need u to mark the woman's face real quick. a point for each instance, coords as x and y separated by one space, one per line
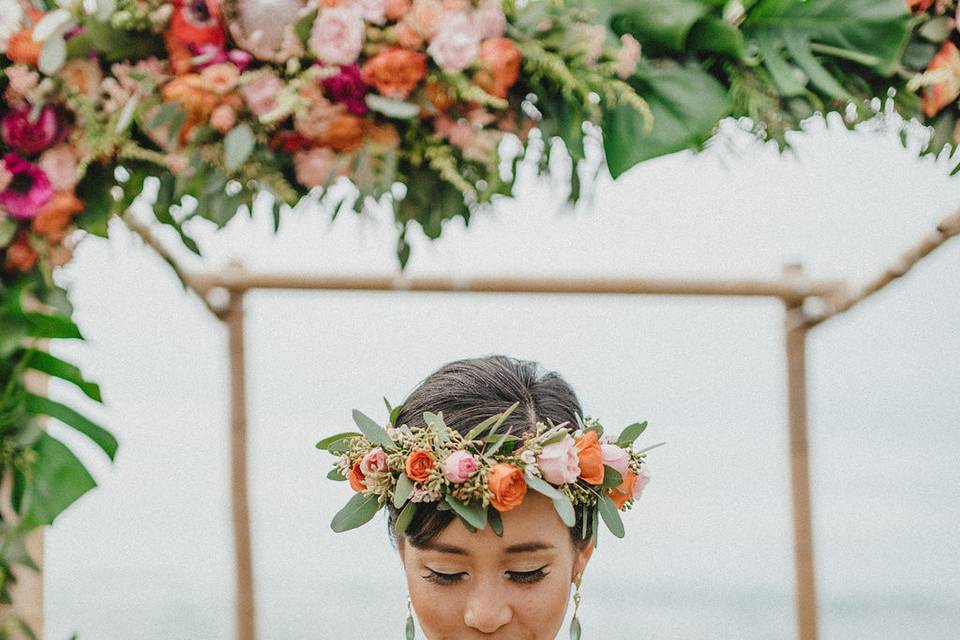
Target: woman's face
469 586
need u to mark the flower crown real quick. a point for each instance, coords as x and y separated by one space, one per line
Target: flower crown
484 473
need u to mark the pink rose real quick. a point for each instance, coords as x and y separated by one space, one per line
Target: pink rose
337 35
424 17
374 460
456 44
60 165
615 457
373 11
643 477
32 137
560 461
223 118
313 167
489 20
458 466
29 188
260 93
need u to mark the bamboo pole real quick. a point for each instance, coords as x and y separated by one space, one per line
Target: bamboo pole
245 618
948 228
806 595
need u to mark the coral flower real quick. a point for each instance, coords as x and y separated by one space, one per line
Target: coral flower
419 464
20 255
507 485
395 72
941 94
195 24
28 191
344 132
624 491
23 49
355 476
499 66
591 458
55 216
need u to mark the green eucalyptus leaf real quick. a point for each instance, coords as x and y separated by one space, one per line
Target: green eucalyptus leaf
611 477
329 440
403 490
474 515
405 517
542 486
565 510
496 523
611 517
238 144
480 428
335 474
373 431
358 511
630 434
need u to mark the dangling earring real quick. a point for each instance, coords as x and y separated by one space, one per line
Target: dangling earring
411 629
574 621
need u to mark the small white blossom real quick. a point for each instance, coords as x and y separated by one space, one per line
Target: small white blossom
528 457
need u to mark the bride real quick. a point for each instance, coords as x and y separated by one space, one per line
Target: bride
484 557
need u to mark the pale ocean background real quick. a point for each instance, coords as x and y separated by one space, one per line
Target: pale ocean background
708 551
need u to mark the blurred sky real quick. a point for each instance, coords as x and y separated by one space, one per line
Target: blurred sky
708 549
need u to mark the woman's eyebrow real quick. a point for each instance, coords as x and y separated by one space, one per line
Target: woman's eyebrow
528 546
445 548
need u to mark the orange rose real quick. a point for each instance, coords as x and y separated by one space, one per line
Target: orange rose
440 96
591 464
356 477
23 48
919 6
418 465
507 485
344 132
395 72
20 255
499 66
53 218
622 492
941 94
384 135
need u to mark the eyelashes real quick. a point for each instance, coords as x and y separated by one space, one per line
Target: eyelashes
521 577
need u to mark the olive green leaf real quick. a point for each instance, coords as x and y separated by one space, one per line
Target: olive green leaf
403 490
358 511
329 440
630 434
611 518
373 431
472 514
405 517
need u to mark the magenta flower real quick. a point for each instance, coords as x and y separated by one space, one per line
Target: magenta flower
32 137
29 188
348 88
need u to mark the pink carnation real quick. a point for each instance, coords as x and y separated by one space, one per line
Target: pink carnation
337 35
60 165
29 188
560 461
260 93
615 457
489 20
313 167
374 460
458 466
456 44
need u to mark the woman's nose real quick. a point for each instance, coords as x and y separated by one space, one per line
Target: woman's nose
487 607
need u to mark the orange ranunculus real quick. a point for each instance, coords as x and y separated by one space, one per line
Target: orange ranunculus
356 477
193 26
22 48
418 466
54 217
941 94
591 463
384 135
20 255
439 95
395 72
622 492
507 485
499 66
344 132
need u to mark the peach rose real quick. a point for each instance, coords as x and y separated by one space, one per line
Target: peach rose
418 466
499 66
20 255
424 17
591 458
374 460
396 9
624 491
356 476
60 164
56 215
313 167
83 76
456 44
407 37
220 78
223 118
507 485
395 72
489 19
344 132
941 94
23 48
337 35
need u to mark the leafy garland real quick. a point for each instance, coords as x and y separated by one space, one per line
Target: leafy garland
98 98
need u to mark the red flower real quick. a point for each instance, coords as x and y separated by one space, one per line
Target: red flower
194 26
20 255
941 94
33 137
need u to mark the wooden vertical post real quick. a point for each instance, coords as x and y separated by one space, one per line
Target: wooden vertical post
796 336
245 619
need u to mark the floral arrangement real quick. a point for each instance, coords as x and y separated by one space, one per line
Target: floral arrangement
480 474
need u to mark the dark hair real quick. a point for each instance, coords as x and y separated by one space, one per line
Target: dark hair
467 392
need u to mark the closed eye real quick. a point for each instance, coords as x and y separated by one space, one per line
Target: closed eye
443 578
527 577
